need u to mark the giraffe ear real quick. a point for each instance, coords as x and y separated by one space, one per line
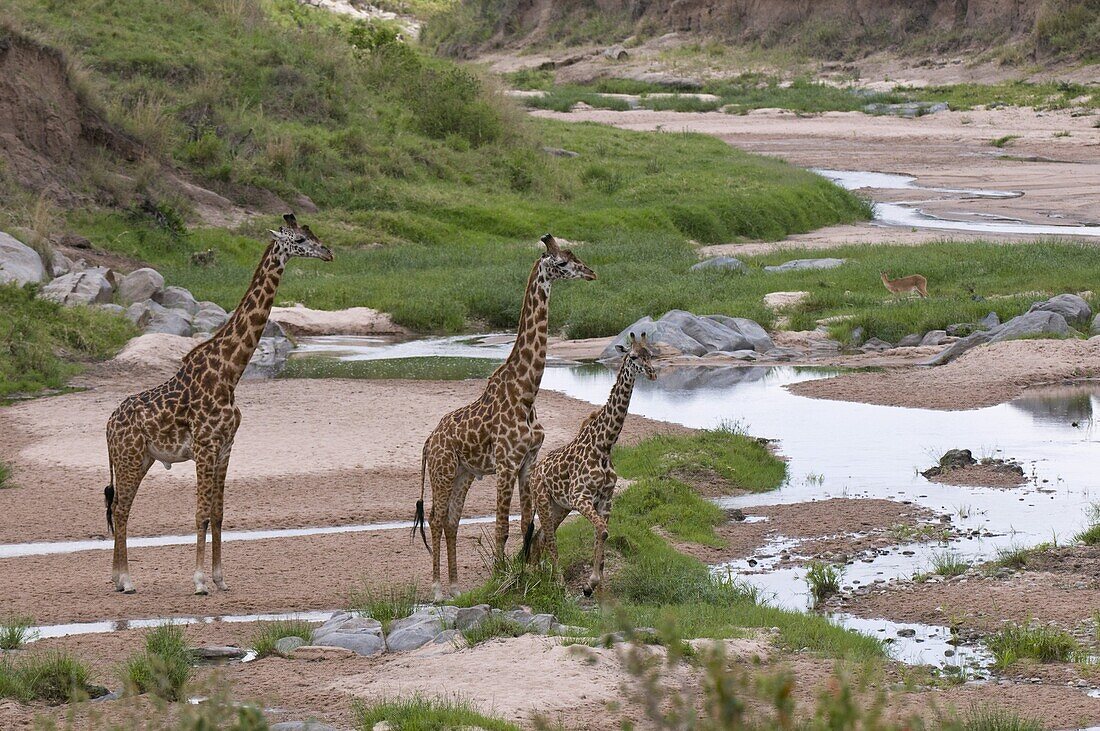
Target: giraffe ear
274 234
551 244
291 220
620 348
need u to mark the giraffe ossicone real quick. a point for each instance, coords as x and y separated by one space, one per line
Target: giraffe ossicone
499 432
580 476
192 415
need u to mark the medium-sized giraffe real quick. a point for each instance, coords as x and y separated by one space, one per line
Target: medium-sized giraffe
499 432
580 476
192 414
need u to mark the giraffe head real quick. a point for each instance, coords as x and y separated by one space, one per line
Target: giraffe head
558 263
294 240
638 358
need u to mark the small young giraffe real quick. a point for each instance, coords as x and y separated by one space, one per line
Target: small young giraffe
192 414
580 476
499 432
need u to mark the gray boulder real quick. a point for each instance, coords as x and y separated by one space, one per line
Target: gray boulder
210 317
615 53
414 636
140 285
471 617
59 264
301 726
910 341
19 263
799 265
87 287
663 336
934 337
171 322
874 345
177 298
447 636
748 329
711 334
542 623
112 308
218 652
990 321
784 354
1074 309
721 263
1095 329
361 635
287 645
1027 325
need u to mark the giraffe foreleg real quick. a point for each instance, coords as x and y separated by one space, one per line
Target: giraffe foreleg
129 470
459 488
206 466
441 473
217 510
506 485
599 523
526 499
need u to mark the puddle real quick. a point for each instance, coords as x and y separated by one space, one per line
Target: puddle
920 644
902 214
20 550
50 631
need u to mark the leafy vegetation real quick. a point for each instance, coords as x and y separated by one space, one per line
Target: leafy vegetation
53 677
5 475
823 580
431 368
948 563
1044 643
650 583
1090 536
268 633
386 602
163 668
15 631
420 713
493 627
43 343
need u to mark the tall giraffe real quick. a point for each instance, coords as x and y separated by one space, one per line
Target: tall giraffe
580 476
499 432
192 414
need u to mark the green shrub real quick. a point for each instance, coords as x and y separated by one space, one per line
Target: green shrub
53 677
1044 643
823 580
15 631
386 602
426 714
163 668
491 628
268 633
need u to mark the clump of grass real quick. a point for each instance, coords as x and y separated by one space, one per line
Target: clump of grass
949 563
994 718
420 713
53 677
1017 557
15 631
386 603
163 668
1091 535
1003 141
268 633
493 627
824 580
741 461
5 475
1044 643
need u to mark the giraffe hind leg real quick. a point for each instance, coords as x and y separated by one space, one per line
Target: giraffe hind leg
129 471
441 474
217 509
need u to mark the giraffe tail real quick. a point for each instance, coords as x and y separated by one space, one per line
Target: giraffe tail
528 540
109 498
418 519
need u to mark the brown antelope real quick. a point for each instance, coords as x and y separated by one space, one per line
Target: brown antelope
905 285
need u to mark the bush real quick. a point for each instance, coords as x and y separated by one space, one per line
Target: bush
268 633
1044 643
15 631
823 580
53 677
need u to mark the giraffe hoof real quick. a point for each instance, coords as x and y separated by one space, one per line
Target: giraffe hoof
201 591
222 586
129 590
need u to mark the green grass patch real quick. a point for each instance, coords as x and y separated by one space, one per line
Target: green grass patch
1090 536
430 368
823 580
1017 557
42 343
1044 643
420 713
267 634
5 475
744 463
385 602
53 677
1003 141
994 718
948 563
163 668
15 631
493 627
651 584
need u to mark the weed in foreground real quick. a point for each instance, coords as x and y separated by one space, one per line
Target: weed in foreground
5 476
163 668
15 631
267 634
53 677
493 627
420 713
386 603
1003 141
948 563
994 718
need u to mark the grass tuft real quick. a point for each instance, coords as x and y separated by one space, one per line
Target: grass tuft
948 563
493 627
420 713
15 631
1003 141
268 633
163 668
386 603
5 476
1044 643
823 580
995 718
53 677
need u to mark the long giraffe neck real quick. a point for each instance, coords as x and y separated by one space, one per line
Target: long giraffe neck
237 339
527 360
608 422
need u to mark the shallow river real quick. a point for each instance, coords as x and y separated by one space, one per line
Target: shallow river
842 449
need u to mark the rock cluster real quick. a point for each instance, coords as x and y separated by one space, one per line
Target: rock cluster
429 625
681 333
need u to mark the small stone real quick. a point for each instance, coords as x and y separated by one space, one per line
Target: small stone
319 652
721 263
177 298
907 632
287 645
217 652
469 617
302 726
140 285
